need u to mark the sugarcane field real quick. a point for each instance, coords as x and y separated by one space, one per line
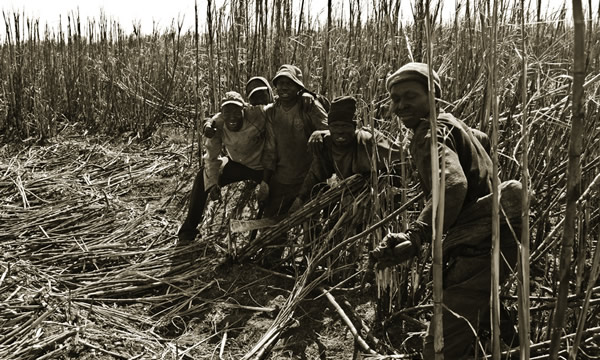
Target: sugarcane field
278 179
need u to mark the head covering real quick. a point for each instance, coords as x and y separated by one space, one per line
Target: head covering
291 72
256 84
342 110
232 97
416 72
256 90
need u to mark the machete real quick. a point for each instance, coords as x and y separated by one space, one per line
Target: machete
238 225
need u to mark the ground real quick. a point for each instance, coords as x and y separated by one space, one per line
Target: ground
91 268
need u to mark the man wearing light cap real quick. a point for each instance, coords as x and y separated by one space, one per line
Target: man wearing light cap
467 213
241 129
258 92
291 125
346 151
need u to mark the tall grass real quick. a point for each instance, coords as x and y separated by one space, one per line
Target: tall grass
99 76
93 74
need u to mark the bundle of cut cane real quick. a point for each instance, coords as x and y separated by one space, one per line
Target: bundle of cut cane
348 187
326 258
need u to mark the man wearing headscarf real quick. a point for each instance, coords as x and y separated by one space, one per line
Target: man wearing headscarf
467 212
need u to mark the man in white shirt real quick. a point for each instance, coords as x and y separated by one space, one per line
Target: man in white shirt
240 128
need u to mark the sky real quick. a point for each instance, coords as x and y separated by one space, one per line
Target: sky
125 11
161 12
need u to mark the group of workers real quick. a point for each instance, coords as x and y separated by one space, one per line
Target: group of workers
289 143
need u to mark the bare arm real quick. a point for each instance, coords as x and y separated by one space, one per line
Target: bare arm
211 158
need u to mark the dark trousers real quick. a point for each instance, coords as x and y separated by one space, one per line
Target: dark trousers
232 172
281 197
467 287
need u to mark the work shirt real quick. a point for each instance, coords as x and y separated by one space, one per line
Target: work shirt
289 155
468 168
347 161
245 146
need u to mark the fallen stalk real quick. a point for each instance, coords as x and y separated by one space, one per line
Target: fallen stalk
357 337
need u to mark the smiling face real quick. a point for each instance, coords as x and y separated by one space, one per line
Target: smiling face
410 102
342 133
233 116
287 89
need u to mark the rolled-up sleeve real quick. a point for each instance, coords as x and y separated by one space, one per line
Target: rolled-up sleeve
318 117
456 185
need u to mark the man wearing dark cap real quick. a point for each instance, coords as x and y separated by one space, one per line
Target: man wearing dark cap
467 213
241 129
258 91
346 151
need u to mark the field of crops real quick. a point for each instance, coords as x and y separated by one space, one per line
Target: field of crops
99 146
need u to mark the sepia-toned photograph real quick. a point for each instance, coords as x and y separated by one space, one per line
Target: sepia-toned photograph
299 179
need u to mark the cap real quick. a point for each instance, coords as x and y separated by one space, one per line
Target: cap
232 97
417 72
257 89
254 83
342 109
291 72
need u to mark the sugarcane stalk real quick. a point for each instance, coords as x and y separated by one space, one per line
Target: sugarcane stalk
544 247
573 178
211 69
102 350
223 342
495 270
437 217
584 309
376 205
327 78
544 344
197 99
357 337
523 266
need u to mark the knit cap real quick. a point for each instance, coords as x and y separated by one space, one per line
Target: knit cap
291 72
416 72
342 110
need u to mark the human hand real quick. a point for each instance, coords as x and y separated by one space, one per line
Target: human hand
394 249
263 191
296 205
209 129
215 193
307 101
364 137
315 141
